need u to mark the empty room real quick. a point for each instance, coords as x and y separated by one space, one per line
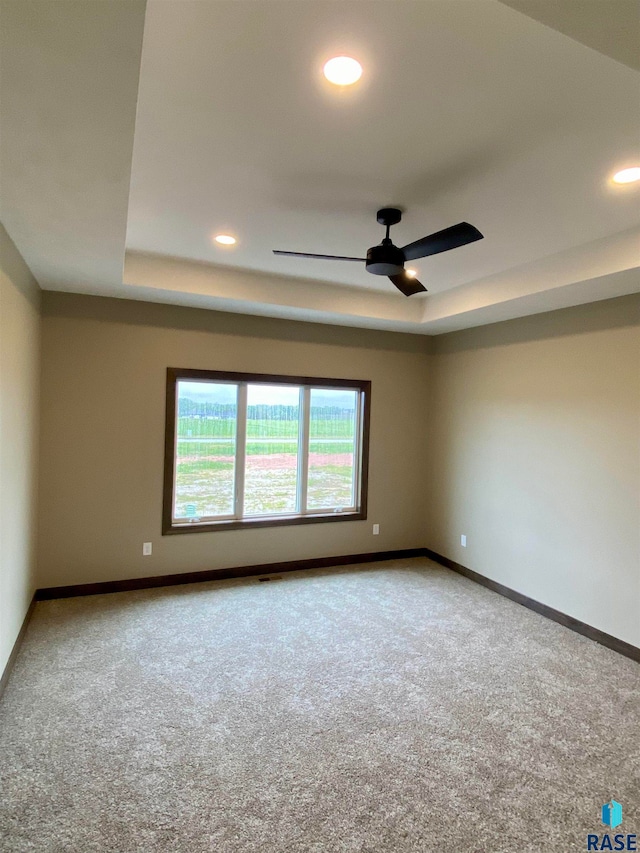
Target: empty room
319 426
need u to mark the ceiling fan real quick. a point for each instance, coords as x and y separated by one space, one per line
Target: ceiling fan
387 259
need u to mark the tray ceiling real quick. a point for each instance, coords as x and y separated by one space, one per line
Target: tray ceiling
133 136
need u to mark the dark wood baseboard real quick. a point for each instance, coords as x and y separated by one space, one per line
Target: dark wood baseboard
221 574
4 678
592 633
103 587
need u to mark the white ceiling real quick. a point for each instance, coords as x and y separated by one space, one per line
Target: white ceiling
467 110
69 85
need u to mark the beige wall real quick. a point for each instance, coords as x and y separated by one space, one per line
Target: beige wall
103 387
536 458
19 374
523 435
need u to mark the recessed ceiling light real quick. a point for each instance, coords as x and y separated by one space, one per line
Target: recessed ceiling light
343 70
627 176
411 273
225 239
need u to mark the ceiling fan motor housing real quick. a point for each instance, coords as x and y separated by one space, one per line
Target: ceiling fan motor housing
385 259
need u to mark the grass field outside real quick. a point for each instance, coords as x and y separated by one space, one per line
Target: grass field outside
211 427
205 466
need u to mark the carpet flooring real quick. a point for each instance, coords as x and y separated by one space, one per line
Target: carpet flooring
388 707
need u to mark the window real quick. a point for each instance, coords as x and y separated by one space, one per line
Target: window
250 450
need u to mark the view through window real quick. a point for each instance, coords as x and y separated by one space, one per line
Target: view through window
261 449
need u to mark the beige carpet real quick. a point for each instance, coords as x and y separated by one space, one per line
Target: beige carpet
389 707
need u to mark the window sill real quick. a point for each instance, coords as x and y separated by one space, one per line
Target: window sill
254 523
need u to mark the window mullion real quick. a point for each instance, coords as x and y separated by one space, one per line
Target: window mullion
303 444
357 451
241 449
176 409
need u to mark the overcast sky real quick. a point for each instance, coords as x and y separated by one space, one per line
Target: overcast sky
271 395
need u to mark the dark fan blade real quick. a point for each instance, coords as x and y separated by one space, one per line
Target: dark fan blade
442 241
322 257
407 285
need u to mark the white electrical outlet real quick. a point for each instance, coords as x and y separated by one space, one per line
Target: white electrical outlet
146 549
376 529
463 540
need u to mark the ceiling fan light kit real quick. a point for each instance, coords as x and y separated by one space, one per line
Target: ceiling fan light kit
387 259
